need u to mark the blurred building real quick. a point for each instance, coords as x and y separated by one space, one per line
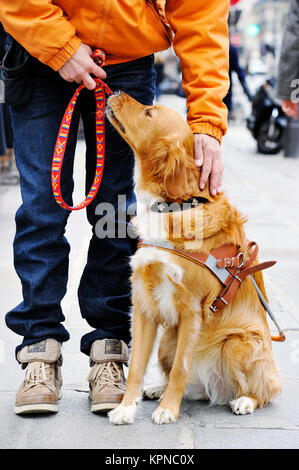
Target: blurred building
258 31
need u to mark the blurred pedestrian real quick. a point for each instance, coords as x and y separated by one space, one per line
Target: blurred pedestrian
59 37
288 69
234 66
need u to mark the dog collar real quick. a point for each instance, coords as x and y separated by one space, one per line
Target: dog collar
166 206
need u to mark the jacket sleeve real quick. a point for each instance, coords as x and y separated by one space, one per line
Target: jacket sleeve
202 45
41 28
288 69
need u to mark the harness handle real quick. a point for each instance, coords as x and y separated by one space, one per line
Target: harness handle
280 339
62 138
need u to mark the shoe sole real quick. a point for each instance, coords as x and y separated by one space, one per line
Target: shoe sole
36 408
103 407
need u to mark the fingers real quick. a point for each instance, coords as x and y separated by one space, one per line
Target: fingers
207 154
80 67
216 177
205 172
291 112
294 111
89 83
97 71
212 167
290 108
85 77
198 152
287 109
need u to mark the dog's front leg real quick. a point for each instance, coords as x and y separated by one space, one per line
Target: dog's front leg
169 409
144 333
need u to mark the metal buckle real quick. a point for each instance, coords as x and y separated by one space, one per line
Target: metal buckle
240 256
223 300
214 309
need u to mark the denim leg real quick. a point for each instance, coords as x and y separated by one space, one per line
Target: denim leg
40 247
104 291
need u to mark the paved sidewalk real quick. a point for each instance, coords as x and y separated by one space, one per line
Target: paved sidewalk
266 189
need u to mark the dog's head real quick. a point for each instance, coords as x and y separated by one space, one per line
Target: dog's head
163 146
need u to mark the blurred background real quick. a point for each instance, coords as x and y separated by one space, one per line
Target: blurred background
256 31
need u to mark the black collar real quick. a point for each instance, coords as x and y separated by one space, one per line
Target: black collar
163 207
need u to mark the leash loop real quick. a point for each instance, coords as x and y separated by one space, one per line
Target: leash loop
62 138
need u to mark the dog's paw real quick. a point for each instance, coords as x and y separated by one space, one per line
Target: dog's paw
242 406
163 416
123 414
153 392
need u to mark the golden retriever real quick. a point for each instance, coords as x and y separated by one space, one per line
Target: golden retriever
223 356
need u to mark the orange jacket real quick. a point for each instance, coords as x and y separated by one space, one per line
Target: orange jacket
128 29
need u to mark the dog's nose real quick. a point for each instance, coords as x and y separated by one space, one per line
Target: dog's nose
117 93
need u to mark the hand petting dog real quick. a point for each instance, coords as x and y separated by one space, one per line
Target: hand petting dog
207 155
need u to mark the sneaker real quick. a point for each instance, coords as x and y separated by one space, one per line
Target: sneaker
41 389
106 377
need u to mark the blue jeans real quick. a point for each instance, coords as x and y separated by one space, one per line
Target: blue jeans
41 250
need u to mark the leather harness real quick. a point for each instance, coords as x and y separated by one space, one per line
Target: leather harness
227 264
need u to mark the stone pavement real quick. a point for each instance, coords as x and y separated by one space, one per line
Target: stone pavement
266 189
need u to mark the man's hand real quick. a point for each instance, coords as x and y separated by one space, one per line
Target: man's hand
207 155
290 108
79 67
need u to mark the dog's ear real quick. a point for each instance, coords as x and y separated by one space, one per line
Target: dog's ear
176 171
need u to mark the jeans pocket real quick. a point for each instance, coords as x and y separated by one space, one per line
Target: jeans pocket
17 75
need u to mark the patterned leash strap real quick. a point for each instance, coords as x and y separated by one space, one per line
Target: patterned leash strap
59 151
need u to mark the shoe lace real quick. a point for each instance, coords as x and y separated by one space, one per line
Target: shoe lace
106 373
38 373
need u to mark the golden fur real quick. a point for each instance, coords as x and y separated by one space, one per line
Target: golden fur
227 355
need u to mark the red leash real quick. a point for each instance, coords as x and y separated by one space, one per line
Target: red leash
59 151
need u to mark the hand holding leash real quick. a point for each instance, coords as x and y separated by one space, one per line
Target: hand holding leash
99 91
80 67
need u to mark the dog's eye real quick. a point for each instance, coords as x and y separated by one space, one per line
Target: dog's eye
148 113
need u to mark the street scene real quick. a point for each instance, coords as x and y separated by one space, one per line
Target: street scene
261 178
266 190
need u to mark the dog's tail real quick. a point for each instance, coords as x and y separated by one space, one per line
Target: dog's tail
231 359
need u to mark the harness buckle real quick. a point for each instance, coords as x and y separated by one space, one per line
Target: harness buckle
213 308
240 257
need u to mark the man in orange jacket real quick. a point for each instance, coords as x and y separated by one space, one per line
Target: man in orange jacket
60 37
